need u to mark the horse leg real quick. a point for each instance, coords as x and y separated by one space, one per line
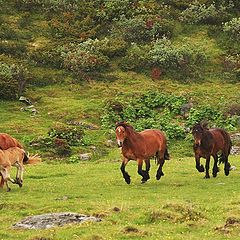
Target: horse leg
2 181
147 162
19 175
6 177
125 174
215 167
199 167
227 165
207 167
159 171
142 172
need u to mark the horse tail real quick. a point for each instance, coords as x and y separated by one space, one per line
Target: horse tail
166 155
31 159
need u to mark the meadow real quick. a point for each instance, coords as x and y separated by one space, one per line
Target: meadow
182 205
86 64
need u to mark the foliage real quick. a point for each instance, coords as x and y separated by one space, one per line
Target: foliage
203 13
83 58
186 60
60 139
136 58
15 48
13 80
150 110
232 28
214 117
142 29
231 65
161 111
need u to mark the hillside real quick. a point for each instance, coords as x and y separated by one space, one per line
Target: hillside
78 62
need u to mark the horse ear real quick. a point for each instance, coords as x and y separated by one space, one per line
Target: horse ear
204 124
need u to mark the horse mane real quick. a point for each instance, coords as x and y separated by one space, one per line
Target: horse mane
6 141
125 125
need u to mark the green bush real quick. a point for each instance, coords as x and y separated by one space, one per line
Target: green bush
13 80
233 28
150 110
10 47
214 117
60 139
203 13
231 65
185 61
136 58
142 29
84 58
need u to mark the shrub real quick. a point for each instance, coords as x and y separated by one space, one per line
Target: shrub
213 116
136 58
142 29
13 80
11 47
150 110
231 65
60 139
186 61
111 9
202 13
232 28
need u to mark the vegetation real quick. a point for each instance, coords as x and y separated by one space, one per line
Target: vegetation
84 65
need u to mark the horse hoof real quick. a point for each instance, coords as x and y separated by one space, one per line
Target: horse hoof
206 177
158 177
200 168
9 189
214 175
128 181
143 181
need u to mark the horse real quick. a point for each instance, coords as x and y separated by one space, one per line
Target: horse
210 142
141 146
14 156
7 141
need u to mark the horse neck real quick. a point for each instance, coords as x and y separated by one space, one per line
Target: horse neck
207 138
133 138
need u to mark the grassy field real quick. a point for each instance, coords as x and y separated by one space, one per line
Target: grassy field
182 205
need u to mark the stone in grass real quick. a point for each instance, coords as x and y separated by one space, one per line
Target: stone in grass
85 156
50 220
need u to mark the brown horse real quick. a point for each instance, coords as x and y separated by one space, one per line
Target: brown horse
210 142
141 146
6 141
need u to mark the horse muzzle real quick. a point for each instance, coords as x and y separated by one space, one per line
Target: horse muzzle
119 143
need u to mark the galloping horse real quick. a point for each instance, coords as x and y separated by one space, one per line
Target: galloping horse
6 141
209 142
141 146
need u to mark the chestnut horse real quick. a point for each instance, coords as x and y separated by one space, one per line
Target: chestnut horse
210 142
6 141
141 146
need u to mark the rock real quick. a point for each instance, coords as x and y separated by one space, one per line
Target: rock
235 150
50 220
111 143
85 156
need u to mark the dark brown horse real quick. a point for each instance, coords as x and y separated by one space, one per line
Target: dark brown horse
6 141
210 142
141 146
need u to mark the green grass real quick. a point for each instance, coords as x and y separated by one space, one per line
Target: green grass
182 205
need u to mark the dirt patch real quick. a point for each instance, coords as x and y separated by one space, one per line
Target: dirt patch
231 224
50 220
134 230
177 213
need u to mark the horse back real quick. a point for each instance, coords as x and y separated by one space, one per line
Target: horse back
154 139
6 141
221 138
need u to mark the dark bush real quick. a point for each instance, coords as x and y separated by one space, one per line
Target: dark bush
13 80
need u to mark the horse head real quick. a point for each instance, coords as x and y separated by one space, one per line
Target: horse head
197 132
121 133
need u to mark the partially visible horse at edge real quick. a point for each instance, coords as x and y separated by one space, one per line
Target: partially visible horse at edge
14 156
211 142
7 141
141 146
